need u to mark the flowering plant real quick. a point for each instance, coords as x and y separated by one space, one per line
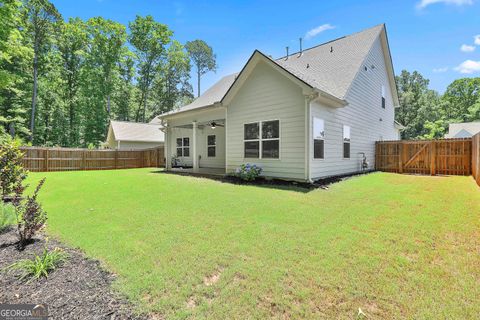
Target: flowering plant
248 172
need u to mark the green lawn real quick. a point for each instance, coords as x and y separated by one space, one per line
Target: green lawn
396 246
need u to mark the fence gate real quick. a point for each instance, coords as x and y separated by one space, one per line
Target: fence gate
447 156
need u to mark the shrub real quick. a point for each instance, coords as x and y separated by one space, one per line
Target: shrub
40 265
7 216
11 169
29 213
248 172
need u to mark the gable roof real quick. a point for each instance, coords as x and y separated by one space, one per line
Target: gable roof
330 67
134 131
463 130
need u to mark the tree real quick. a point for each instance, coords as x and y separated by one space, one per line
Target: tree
106 39
418 104
461 95
72 45
149 39
125 90
203 58
171 85
41 17
14 59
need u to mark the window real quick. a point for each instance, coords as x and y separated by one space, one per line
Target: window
318 138
211 145
262 140
183 147
346 142
383 97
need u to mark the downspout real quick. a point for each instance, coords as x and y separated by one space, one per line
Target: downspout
308 116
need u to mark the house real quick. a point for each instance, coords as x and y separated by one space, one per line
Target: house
307 115
463 130
132 135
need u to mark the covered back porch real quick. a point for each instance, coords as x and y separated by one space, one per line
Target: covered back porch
195 143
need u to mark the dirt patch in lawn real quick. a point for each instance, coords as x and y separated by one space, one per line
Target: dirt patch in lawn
80 289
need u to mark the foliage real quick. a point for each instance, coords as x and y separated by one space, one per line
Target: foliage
41 265
426 114
29 213
149 38
248 172
67 79
7 216
203 58
12 172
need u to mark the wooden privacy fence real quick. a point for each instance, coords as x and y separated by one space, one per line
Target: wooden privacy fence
476 157
67 159
445 156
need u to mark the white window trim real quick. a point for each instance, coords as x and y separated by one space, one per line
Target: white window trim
349 142
212 145
313 140
183 147
260 149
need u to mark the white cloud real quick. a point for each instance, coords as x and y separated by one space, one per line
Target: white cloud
477 39
440 70
468 66
425 3
467 48
315 31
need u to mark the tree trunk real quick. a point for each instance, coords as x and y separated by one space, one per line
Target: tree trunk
198 83
34 94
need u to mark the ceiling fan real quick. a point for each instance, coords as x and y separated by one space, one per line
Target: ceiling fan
213 125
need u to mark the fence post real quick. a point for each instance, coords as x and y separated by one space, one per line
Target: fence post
400 157
84 160
46 159
433 156
116 159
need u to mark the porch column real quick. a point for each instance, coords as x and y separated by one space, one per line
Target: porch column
194 147
166 149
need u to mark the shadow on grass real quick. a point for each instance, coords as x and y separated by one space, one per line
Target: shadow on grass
276 184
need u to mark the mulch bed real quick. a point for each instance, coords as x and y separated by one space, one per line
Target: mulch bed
80 289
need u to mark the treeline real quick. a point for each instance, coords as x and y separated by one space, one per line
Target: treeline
426 114
62 81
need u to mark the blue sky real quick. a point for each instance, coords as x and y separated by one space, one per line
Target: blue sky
435 37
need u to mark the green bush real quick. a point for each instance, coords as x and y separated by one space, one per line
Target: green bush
7 216
40 265
12 172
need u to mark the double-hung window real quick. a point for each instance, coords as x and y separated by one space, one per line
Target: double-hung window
346 142
211 145
262 140
318 138
183 147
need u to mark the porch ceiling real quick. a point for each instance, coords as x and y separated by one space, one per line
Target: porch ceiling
202 124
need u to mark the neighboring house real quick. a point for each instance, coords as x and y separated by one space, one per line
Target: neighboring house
132 135
305 116
463 130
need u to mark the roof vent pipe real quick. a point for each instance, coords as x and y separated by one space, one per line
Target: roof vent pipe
286 58
301 50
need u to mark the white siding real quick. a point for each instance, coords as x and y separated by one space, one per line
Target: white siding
269 95
202 117
363 115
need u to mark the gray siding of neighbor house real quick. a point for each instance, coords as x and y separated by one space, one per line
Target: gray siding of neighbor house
269 95
363 115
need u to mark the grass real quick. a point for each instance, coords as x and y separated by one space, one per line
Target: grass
396 246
